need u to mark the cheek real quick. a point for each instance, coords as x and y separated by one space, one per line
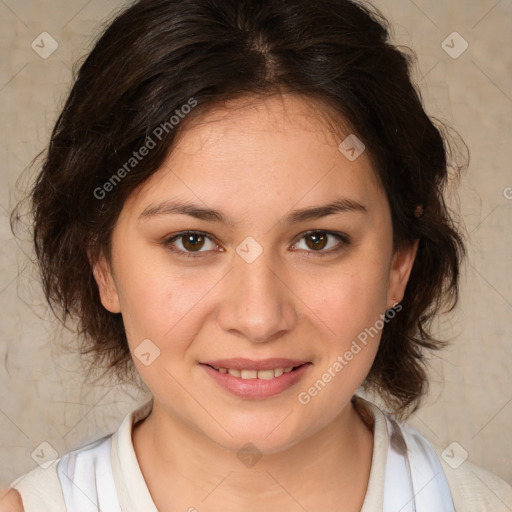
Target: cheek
351 297
350 304
156 300
163 309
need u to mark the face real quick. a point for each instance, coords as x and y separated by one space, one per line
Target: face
232 256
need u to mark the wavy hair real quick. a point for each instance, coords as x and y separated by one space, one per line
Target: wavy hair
157 55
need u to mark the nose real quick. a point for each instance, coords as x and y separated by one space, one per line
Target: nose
258 304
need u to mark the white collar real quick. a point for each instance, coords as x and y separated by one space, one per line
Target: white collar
413 479
400 455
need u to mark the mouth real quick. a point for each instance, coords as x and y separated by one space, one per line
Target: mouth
249 374
256 379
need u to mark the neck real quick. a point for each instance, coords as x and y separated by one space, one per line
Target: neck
184 469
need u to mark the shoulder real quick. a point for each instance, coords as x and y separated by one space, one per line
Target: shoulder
10 500
49 487
71 479
38 490
474 488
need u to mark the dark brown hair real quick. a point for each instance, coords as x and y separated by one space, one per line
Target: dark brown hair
157 57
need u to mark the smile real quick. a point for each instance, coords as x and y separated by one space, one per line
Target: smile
256 379
256 374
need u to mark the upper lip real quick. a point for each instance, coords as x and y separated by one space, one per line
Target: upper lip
250 364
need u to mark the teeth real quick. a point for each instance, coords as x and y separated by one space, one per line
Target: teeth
249 374
256 374
265 374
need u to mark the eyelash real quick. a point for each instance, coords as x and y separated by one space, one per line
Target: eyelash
341 237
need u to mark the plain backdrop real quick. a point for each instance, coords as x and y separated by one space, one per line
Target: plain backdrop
43 397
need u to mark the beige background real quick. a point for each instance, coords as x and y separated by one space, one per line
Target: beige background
42 395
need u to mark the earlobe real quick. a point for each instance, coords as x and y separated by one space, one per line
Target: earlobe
401 267
106 285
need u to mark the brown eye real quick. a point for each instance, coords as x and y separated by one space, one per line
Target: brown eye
193 241
322 243
316 241
190 244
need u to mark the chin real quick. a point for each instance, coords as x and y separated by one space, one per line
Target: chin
265 436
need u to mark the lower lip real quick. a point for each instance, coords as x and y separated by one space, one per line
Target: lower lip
256 388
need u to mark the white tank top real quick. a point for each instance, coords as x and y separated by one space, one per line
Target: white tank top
414 480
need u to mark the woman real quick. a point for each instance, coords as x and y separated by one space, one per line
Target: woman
243 202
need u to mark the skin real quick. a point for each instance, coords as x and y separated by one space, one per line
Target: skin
10 500
255 161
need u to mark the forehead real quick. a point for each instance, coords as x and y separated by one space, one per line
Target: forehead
283 148
265 121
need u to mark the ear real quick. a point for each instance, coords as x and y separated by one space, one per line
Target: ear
106 284
400 270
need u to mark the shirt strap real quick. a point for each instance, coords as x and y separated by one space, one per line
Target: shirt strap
414 479
86 478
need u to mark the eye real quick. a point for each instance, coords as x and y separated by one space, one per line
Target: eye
323 242
189 242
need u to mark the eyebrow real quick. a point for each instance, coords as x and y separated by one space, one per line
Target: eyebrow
340 205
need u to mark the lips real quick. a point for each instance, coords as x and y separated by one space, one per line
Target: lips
252 379
257 374
250 364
